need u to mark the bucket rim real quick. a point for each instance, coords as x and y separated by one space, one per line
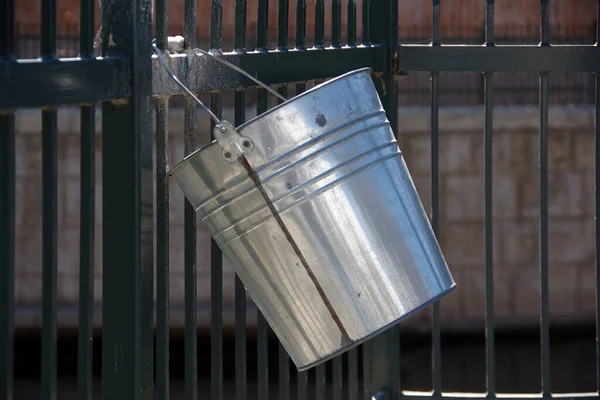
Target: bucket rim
378 331
272 110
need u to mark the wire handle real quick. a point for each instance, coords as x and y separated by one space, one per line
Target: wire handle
233 144
177 40
162 60
241 71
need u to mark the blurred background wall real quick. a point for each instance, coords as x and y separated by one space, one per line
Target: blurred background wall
516 188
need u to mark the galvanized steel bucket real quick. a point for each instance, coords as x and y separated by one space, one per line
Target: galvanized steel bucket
313 205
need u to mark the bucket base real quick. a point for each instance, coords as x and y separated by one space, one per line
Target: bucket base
375 333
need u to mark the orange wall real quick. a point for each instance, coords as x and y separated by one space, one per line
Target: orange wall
467 17
458 17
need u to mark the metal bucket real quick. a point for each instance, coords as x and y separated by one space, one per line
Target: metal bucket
319 217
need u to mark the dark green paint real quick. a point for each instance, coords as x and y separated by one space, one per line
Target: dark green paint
127 171
7 251
127 357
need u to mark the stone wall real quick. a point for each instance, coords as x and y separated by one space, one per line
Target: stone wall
516 232
515 214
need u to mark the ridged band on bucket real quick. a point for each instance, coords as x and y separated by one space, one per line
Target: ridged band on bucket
326 231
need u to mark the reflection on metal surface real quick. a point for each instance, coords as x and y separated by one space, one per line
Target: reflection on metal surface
323 224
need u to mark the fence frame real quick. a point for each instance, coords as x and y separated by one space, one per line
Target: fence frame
119 80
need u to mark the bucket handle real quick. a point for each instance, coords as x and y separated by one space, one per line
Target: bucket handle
234 145
163 62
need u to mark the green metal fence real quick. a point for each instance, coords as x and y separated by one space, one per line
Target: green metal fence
135 355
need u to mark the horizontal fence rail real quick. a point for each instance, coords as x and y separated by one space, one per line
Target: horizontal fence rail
270 67
136 189
457 58
71 81
64 81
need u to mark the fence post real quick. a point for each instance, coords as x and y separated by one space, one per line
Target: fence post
381 355
127 179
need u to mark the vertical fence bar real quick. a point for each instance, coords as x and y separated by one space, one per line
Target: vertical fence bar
262 26
87 218
240 35
48 29
7 32
301 24
189 23
86 28
262 325
489 23
436 337
216 291
241 390
162 20
142 29
190 295
86 252
338 384
216 24
367 359
545 290
7 214
336 23
216 255
352 23
319 23
263 357
302 384
490 353
320 382
282 25
191 361
366 22
7 246
50 214
284 359
435 198
162 221
353 390
162 243
128 217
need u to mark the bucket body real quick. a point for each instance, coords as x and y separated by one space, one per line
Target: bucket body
357 253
